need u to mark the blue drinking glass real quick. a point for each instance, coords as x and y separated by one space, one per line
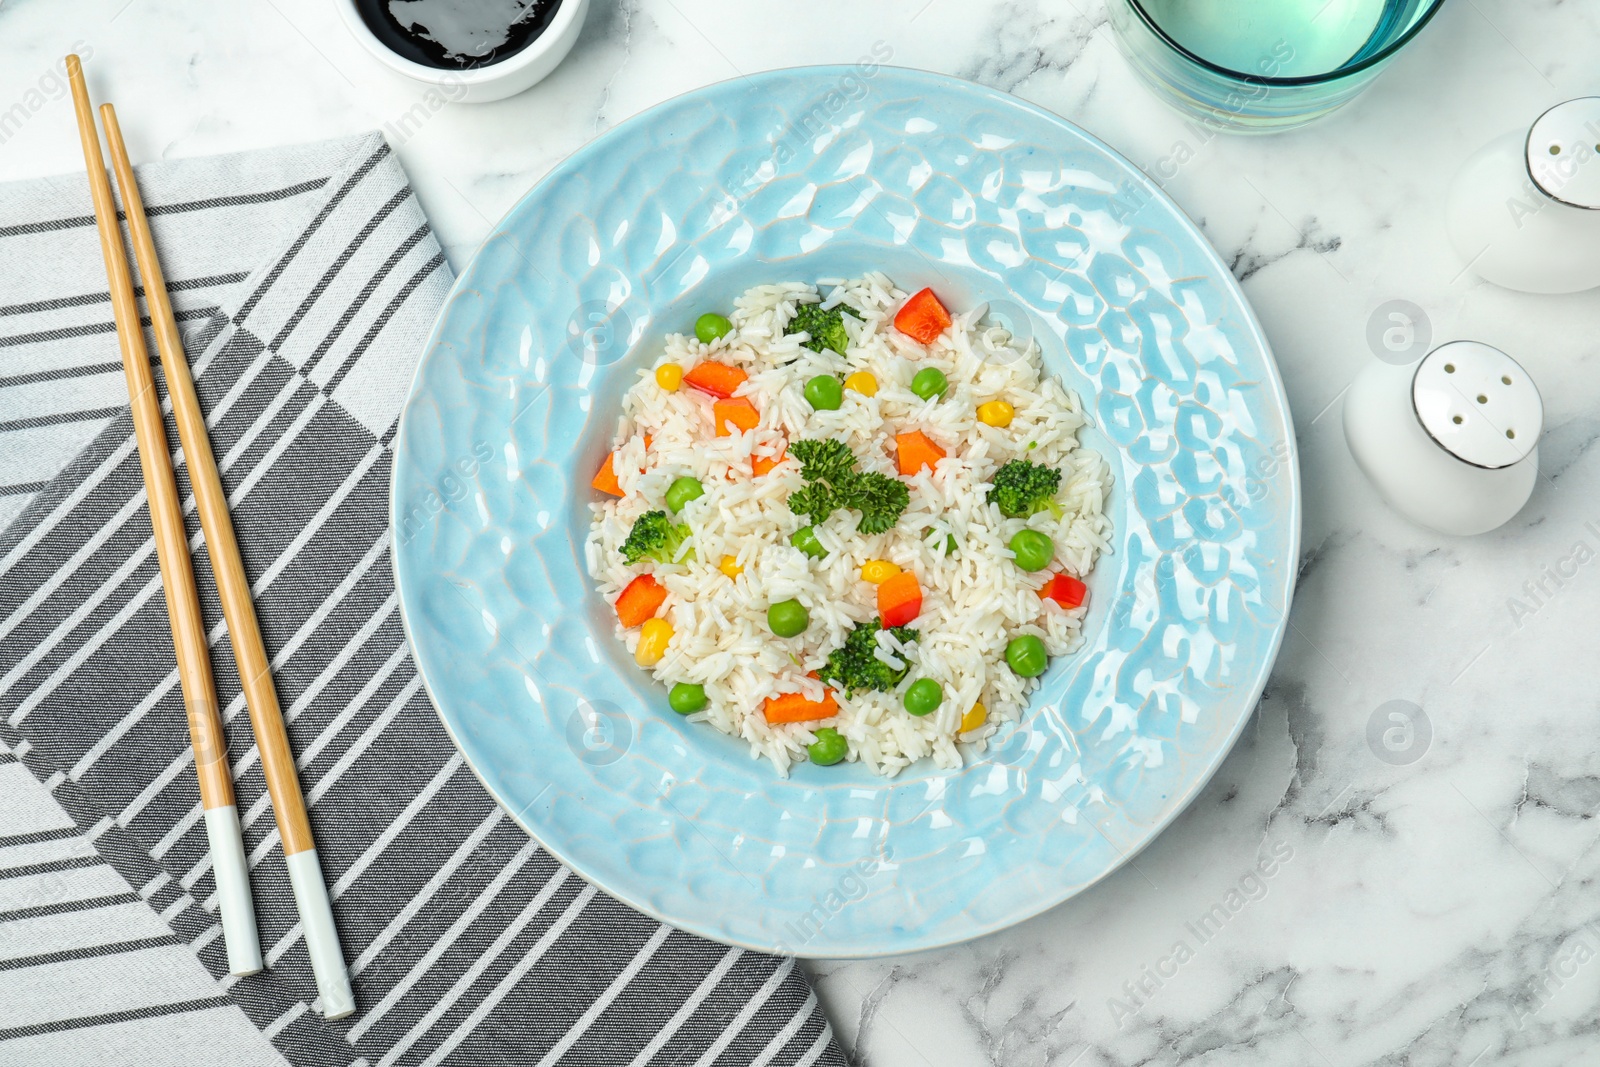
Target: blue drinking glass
1263 65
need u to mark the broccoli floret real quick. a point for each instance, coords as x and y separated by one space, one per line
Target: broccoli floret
1022 488
826 328
832 482
654 536
853 666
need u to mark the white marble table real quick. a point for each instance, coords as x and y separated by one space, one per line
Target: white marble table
1438 912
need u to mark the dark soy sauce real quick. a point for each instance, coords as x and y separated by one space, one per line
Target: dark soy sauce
456 34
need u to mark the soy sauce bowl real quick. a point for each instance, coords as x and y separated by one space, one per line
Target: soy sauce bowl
491 81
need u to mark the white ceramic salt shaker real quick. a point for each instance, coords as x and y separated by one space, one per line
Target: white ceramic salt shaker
1450 442
1524 212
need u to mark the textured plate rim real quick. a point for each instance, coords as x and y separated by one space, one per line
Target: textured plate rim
1178 804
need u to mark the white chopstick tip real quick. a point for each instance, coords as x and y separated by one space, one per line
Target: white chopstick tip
234 904
342 1011
322 938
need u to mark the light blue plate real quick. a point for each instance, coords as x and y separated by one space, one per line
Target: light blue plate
796 175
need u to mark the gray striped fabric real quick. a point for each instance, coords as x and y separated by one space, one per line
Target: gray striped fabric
312 278
93 954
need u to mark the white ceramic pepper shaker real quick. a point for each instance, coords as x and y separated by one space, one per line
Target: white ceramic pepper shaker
1524 212
1450 442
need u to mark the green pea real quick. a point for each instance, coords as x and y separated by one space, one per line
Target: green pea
682 490
805 539
929 383
686 698
829 748
923 696
1026 656
949 539
824 393
710 326
788 618
1033 550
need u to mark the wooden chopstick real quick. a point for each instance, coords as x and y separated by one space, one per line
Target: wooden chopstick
250 654
177 568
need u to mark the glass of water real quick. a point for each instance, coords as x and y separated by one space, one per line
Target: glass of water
1263 65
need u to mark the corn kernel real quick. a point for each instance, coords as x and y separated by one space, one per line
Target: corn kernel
974 718
730 567
863 383
877 571
996 413
653 638
669 376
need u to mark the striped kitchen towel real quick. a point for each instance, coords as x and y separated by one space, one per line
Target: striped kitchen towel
308 279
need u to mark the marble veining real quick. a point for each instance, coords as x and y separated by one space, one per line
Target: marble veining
1432 911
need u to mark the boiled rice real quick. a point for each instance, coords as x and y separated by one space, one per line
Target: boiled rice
974 600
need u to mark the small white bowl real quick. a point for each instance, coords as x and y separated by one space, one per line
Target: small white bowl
494 81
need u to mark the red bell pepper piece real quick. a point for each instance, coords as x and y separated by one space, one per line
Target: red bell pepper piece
922 318
1065 590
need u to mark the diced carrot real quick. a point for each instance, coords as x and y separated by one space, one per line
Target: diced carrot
899 599
605 479
739 411
794 707
640 601
1065 590
760 465
922 318
913 451
715 378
